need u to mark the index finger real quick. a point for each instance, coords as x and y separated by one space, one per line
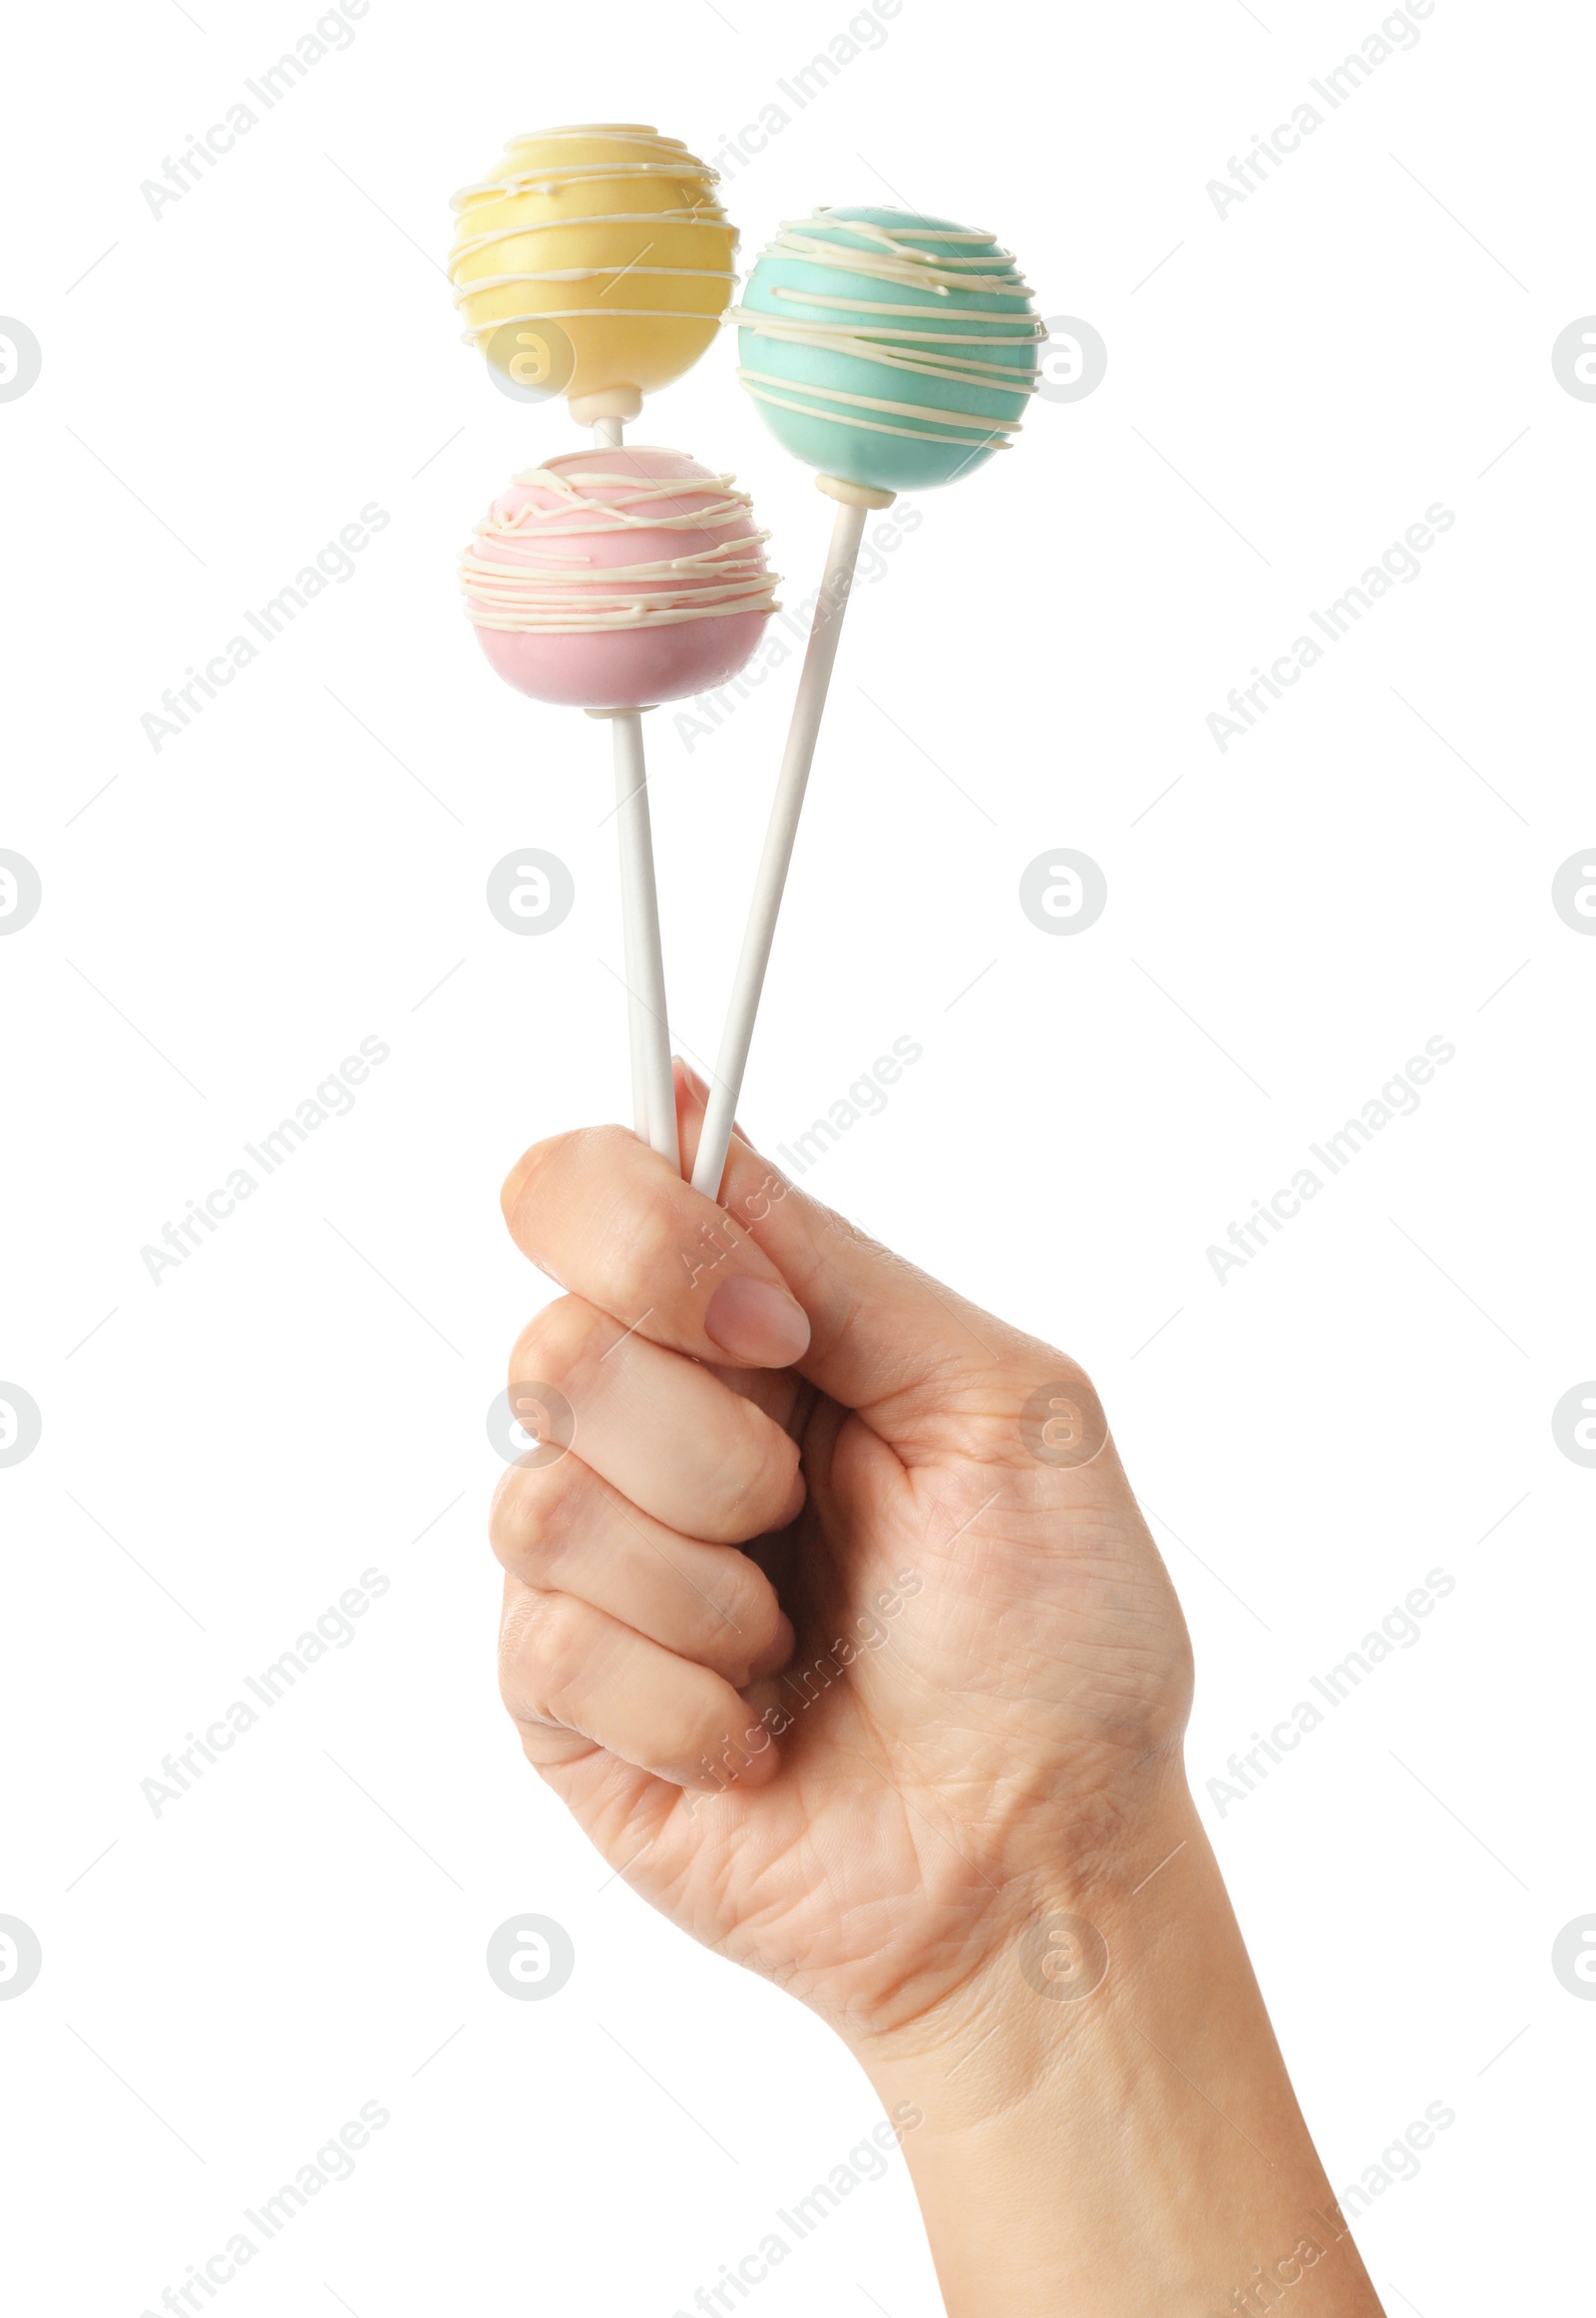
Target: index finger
610 1221
603 1215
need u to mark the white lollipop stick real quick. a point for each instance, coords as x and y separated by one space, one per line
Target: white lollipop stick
653 1096
637 1018
644 959
855 500
608 432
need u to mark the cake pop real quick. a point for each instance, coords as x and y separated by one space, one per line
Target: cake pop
611 579
619 578
889 351
594 262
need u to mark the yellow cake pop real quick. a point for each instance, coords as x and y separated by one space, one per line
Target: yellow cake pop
594 262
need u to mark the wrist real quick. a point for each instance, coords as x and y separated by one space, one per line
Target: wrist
1101 2121
1058 1928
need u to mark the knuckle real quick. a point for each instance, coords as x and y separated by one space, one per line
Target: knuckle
607 1140
530 1181
557 1345
518 1196
655 1246
1028 1355
1069 1372
544 1642
1062 1420
1071 1378
532 1521
513 1624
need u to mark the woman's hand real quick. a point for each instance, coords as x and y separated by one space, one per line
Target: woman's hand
838 1628
950 1675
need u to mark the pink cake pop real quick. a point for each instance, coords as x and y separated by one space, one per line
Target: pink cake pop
617 578
611 579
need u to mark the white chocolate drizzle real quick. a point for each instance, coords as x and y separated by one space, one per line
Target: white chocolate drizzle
664 160
889 256
541 588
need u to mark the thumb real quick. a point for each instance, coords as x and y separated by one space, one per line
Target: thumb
881 1332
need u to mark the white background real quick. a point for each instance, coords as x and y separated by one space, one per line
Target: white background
1288 388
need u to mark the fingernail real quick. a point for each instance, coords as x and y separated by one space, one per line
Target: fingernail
690 1078
756 1322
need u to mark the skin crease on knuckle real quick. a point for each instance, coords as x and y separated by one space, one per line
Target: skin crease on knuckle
531 1524
643 1247
553 1652
979 1416
562 1346
543 1742
635 1234
559 1662
556 1643
524 1196
536 1529
565 1345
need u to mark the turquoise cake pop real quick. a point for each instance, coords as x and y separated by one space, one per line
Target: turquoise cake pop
890 352
886 349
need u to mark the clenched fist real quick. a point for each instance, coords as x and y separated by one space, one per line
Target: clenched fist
836 1627
839 1629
